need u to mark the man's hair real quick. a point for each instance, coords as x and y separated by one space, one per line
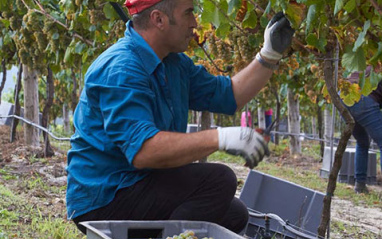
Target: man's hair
141 20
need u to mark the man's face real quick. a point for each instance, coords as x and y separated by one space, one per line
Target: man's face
180 32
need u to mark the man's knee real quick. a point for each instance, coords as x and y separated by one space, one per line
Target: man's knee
226 177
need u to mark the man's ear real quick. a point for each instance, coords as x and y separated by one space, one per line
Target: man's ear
158 19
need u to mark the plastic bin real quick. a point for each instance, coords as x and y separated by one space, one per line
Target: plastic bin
154 229
298 205
346 173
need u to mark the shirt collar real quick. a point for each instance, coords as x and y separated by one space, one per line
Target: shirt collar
144 50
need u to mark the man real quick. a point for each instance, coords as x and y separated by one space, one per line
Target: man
130 158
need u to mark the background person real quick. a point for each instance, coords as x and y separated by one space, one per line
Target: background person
131 158
368 123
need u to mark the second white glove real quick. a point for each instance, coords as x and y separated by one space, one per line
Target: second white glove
245 142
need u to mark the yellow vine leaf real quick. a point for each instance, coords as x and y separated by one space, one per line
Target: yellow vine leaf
295 13
325 93
352 95
201 30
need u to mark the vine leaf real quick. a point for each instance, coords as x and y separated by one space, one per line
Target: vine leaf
361 37
250 20
367 88
378 55
295 13
310 18
354 61
109 12
234 5
210 14
350 6
351 95
314 41
375 79
338 6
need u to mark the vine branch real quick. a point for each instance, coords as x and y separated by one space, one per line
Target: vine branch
43 12
212 61
376 6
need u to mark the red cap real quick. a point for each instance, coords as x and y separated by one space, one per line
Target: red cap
137 6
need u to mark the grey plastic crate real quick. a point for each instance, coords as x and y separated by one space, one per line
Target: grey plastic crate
154 229
346 173
298 205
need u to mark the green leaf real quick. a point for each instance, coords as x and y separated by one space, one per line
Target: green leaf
264 21
374 79
361 81
79 48
338 6
68 58
109 11
310 18
5 22
367 88
312 40
350 6
223 30
250 20
354 61
211 14
361 36
233 5
55 36
378 55
92 28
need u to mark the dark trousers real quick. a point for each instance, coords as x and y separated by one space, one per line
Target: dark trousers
196 192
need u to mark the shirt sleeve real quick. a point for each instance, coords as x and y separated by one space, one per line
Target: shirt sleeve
209 92
126 102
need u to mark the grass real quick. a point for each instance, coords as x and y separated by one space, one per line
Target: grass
22 219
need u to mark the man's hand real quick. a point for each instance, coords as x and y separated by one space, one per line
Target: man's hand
277 37
245 142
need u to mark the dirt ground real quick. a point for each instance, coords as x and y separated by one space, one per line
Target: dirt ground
16 158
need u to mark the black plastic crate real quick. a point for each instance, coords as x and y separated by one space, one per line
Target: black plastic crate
301 207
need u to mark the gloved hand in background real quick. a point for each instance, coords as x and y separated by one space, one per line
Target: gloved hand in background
245 142
277 37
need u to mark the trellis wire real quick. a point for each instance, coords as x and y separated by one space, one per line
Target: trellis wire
272 132
37 126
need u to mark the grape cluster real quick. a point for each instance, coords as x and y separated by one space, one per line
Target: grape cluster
96 15
117 30
15 23
187 235
224 50
211 38
293 65
20 6
246 51
243 51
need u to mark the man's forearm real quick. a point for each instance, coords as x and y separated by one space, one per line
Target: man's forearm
248 82
170 149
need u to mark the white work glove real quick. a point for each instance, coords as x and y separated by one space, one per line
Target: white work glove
245 142
277 37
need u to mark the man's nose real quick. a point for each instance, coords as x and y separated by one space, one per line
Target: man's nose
194 23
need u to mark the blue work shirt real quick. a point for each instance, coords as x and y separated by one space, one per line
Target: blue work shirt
129 96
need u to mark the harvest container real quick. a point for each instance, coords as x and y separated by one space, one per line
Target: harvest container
154 229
